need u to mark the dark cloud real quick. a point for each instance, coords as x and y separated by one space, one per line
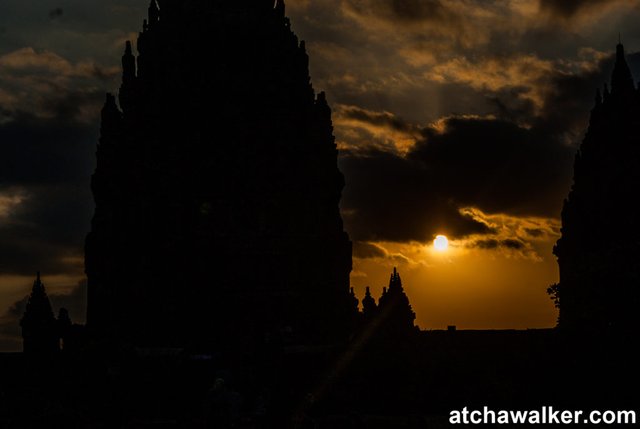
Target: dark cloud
497 165
384 119
366 250
493 244
46 230
413 10
494 165
408 12
534 232
92 29
39 151
572 95
486 244
519 163
45 165
47 157
509 104
547 41
56 13
513 244
389 197
570 8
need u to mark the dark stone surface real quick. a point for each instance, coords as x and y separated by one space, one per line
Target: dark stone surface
599 251
217 187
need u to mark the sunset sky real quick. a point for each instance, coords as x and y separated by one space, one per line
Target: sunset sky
457 117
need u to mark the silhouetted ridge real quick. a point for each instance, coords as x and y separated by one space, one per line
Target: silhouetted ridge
599 250
217 186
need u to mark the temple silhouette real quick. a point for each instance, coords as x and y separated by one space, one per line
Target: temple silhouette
599 250
218 265
392 315
42 332
217 187
40 329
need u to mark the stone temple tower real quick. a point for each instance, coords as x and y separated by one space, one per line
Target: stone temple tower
217 187
599 251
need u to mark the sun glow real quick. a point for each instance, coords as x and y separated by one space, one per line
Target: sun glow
441 243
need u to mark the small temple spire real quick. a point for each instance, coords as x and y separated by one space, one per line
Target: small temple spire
395 283
354 299
620 52
369 306
39 330
621 79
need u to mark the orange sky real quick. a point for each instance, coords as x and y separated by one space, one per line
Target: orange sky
470 287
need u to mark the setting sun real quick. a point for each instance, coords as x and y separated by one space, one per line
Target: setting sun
441 243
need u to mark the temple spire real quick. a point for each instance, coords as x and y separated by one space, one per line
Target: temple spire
598 288
395 304
369 306
621 79
39 330
395 283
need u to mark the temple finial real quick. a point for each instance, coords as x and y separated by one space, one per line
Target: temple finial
621 79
